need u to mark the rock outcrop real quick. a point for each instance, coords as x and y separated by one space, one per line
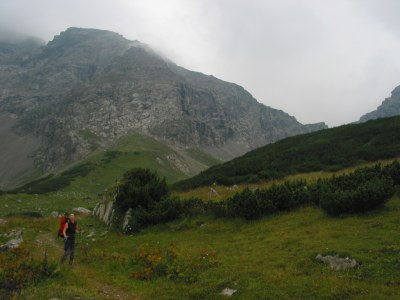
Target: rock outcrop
105 212
390 107
87 88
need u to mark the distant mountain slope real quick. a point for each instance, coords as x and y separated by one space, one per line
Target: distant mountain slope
389 107
325 150
96 173
87 88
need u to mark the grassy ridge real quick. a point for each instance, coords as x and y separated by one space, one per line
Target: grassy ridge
325 150
97 172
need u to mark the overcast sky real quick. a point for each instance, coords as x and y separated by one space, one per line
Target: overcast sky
318 60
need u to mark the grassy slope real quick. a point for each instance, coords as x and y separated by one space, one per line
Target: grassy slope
328 150
224 192
272 258
94 174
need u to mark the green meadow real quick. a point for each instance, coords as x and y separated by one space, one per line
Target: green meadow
270 258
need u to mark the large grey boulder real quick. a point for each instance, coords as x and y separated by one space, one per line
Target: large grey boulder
337 263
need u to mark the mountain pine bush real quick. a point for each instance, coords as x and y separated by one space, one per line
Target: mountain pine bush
147 195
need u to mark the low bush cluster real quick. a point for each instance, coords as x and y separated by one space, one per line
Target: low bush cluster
284 197
18 269
171 262
363 190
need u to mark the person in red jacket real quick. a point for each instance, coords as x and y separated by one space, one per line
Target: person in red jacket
70 231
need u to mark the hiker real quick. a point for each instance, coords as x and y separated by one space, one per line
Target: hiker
70 229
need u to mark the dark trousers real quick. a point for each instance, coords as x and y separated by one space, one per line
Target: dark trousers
69 249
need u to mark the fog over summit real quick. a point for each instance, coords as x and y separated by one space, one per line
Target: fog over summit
317 60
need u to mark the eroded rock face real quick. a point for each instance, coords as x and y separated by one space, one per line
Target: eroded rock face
87 88
104 211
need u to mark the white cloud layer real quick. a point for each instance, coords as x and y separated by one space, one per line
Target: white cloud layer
318 60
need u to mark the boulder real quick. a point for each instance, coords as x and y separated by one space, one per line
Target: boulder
3 222
228 292
11 244
338 263
82 210
54 214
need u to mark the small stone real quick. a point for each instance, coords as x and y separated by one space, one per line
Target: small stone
81 210
90 235
228 292
19 200
3 222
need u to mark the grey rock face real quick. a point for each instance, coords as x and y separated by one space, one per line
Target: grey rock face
87 88
390 107
104 211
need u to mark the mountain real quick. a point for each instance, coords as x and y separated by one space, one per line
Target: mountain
87 88
389 107
326 150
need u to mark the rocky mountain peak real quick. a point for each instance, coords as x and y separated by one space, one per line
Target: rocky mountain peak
87 88
389 107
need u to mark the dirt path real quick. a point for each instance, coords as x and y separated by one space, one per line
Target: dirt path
103 290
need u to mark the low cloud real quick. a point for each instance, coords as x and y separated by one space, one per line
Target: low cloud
318 60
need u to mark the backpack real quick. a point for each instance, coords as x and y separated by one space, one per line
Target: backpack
63 221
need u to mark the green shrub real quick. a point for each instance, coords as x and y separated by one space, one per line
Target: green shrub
366 196
217 208
146 194
159 212
393 171
140 188
193 207
243 204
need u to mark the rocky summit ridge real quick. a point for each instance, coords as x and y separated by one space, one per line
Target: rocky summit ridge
85 89
390 107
